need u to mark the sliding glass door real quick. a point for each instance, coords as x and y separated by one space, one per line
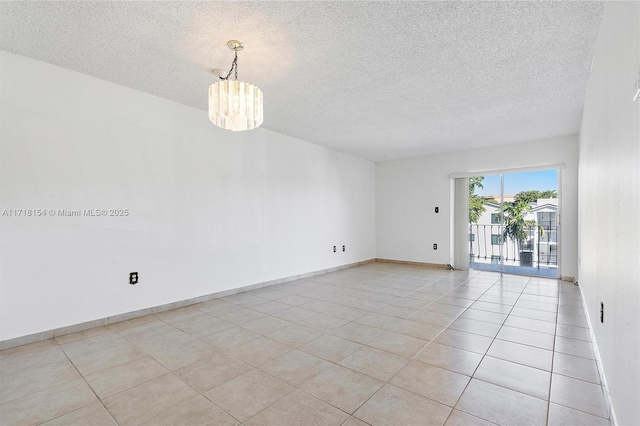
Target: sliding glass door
513 223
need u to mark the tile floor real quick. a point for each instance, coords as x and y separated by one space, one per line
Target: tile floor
376 344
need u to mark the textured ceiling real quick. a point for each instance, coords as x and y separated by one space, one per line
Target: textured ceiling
380 80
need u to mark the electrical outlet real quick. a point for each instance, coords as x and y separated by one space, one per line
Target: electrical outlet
344 248
133 278
435 247
334 249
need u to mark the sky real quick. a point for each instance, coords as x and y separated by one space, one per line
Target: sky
517 182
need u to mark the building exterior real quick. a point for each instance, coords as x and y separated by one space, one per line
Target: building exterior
487 245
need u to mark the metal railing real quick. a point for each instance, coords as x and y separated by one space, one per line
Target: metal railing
539 249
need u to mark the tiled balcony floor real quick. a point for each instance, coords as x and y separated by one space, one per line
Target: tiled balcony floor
546 271
379 344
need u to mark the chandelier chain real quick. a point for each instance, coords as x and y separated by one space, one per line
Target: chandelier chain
234 66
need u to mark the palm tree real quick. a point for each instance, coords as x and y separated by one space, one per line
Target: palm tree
514 223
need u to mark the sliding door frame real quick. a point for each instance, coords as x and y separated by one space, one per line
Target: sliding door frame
460 249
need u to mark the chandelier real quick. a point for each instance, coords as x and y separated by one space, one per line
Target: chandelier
235 105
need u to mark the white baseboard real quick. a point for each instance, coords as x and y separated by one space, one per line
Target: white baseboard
410 262
603 378
61 331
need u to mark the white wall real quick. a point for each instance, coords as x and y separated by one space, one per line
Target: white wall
210 210
407 191
610 206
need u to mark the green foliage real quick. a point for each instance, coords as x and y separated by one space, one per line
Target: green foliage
534 224
476 208
475 182
476 203
514 223
533 195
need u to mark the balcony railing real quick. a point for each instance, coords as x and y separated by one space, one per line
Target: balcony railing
539 249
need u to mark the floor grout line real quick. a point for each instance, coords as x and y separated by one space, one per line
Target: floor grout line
489 347
439 281
88 385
